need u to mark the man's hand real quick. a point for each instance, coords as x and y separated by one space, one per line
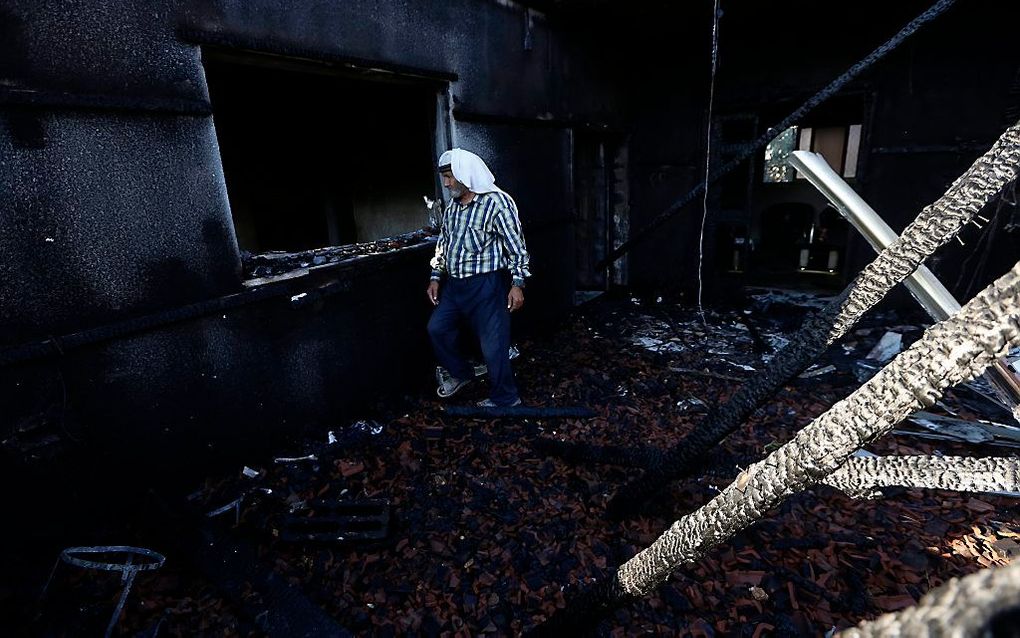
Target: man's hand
433 292
515 299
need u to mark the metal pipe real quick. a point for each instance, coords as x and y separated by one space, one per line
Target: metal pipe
923 285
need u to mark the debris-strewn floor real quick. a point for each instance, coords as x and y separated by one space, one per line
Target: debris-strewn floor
485 531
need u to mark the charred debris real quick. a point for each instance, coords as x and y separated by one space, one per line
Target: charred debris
215 386
418 521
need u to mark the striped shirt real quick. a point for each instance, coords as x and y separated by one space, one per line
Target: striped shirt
479 237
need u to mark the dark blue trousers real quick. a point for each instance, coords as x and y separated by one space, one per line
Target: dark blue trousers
481 300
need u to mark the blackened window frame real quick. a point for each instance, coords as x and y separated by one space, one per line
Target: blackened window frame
432 87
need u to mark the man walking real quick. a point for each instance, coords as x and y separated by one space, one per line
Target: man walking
480 265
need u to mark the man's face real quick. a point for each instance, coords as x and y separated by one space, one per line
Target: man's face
451 184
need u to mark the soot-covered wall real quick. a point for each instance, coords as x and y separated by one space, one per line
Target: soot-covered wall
116 207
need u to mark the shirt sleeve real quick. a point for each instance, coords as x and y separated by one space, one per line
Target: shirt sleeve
438 261
508 227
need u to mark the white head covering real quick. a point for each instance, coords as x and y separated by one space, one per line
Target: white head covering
470 170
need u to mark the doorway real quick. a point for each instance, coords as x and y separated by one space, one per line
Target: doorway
601 208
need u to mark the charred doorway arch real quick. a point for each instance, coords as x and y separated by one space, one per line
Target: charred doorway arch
316 154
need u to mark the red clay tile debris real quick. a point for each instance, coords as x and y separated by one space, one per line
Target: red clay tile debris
487 532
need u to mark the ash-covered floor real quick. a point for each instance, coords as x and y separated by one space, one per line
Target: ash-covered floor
484 530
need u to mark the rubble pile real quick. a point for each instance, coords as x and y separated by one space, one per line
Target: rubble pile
418 523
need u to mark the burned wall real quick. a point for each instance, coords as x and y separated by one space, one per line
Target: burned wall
111 187
669 76
228 382
535 161
945 98
131 78
117 208
523 82
509 61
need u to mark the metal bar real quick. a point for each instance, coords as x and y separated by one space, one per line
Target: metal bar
923 285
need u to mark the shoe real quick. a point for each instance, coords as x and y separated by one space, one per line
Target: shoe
449 385
488 403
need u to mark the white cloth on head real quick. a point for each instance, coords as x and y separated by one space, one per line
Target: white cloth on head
470 170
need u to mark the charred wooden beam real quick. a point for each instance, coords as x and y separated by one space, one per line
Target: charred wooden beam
983 604
951 352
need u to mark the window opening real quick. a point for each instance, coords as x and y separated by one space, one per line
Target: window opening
316 157
839 145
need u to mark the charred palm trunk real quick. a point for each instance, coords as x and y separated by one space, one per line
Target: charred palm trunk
937 224
950 352
861 477
983 604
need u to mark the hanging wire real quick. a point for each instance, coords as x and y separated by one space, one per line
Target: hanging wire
708 152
